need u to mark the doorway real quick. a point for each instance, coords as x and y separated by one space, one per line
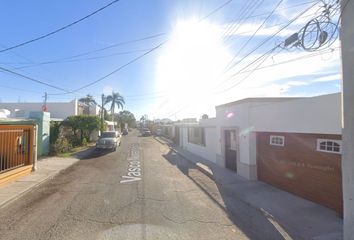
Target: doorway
176 138
230 149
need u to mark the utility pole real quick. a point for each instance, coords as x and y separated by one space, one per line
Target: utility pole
347 37
102 111
44 107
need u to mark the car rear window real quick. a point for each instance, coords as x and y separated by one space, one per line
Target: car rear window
108 134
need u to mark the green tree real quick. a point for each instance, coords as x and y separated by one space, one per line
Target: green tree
126 117
115 99
82 125
88 101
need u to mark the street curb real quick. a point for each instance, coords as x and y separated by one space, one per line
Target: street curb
34 186
198 166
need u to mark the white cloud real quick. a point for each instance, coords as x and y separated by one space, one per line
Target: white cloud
247 29
193 73
329 78
280 79
107 90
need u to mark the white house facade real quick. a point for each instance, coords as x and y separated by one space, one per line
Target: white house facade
58 110
290 143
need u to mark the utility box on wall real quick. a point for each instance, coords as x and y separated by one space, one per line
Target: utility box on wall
43 131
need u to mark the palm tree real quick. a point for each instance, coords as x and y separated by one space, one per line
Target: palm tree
115 99
88 101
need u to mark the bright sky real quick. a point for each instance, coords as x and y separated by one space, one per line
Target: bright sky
186 77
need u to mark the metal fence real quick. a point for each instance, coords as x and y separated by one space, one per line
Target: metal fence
16 146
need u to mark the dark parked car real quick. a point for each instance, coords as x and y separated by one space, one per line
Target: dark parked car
125 132
146 132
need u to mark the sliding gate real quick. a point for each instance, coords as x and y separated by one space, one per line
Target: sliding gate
16 146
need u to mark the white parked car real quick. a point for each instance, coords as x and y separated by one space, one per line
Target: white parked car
108 140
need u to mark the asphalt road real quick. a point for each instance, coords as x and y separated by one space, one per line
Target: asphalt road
142 191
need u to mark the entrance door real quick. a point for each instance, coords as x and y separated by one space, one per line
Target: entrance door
230 149
176 138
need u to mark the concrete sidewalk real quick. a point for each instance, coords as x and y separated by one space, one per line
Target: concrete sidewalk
47 168
301 219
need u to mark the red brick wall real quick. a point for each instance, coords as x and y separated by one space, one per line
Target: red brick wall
299 168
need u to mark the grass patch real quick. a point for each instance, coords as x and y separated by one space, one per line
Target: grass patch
76 150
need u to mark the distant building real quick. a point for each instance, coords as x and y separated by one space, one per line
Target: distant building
58 110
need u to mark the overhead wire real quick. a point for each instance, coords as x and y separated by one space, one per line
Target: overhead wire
239 17
32 79
269 14
111 73
83 59
247 14
122 66
261 44
20 89
60 29
250 38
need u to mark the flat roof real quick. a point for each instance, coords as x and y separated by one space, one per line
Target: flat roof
260 99
16 121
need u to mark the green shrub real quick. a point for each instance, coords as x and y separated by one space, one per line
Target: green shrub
54 131
84 142
61 145
74 140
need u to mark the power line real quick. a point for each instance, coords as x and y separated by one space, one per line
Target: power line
215 10
249 39
247 13
154 93
161 34
265 14
292 60
242 10
19 89
250 72
82 59
31 79
261 44
113 46
113 72
127 64
264 56
60 29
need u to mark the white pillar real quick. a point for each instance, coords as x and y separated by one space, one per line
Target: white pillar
347 42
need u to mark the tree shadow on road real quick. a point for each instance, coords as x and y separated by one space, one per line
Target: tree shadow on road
91 153
251 221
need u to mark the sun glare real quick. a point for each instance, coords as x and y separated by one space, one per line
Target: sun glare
192 62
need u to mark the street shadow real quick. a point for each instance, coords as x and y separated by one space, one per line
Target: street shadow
91 153
144 136
251 221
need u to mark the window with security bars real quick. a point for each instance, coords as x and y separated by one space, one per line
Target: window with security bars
196 135
329 145
277 140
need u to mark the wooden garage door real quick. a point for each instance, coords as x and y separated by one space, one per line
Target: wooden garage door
298 167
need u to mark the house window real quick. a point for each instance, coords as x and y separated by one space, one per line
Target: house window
329 145
196 135
277 140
